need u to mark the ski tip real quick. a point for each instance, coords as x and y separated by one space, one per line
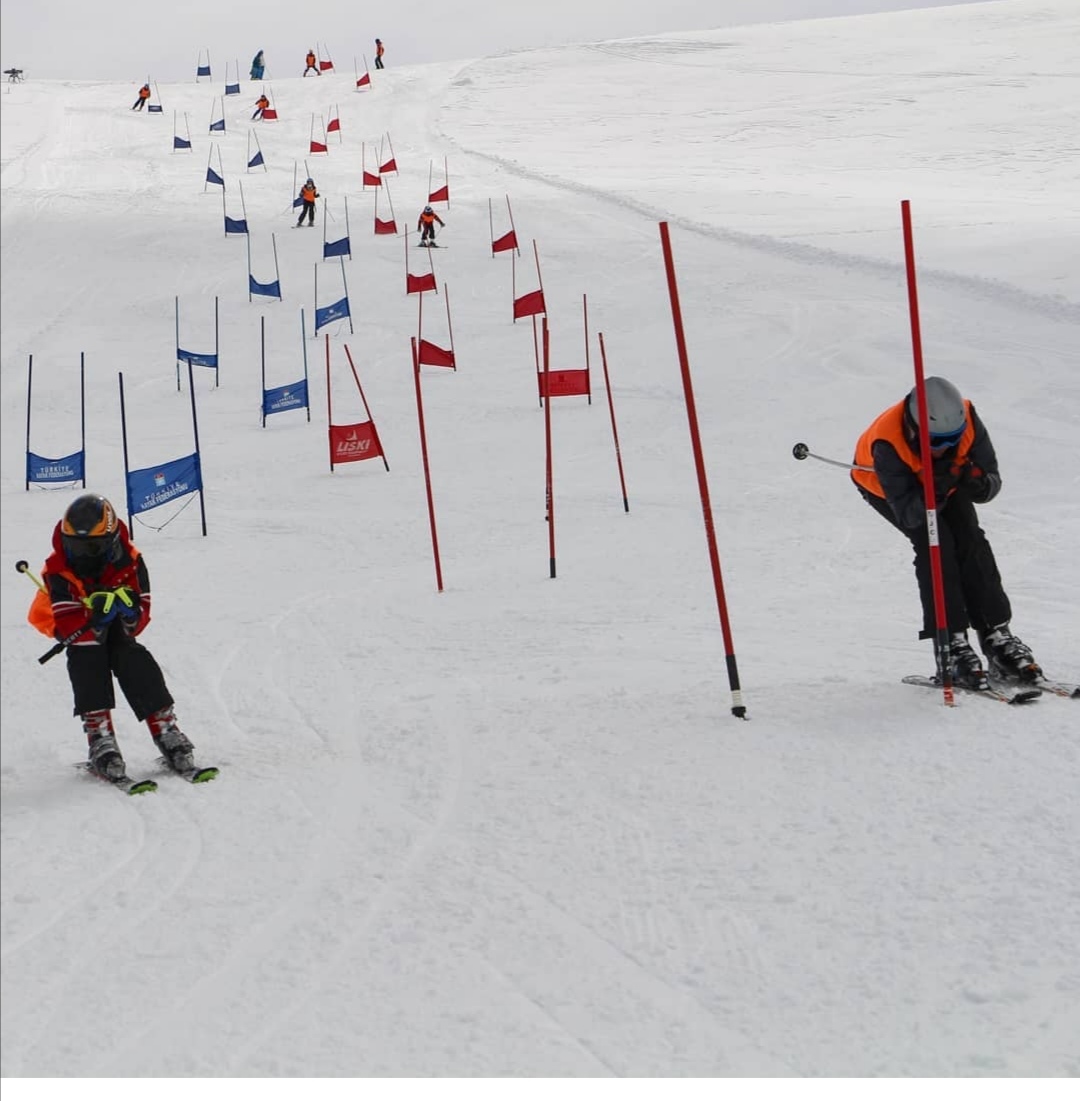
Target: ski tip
141 787
204 775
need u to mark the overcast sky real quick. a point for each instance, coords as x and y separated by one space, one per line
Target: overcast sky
71 39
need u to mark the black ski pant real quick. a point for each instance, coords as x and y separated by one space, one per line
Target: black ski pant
92 668
308 212
138 104
974 596
378 63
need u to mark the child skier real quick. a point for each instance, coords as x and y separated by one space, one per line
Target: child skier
96 587
426 226
308 195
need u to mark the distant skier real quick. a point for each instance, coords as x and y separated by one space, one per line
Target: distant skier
144 95
379 51
308 195
261 105
965 472
312 63
426 225
258 66
96 580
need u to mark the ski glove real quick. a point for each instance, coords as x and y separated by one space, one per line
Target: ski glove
980 485
944 482
106 604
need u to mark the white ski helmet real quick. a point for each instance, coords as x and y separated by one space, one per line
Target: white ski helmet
945 405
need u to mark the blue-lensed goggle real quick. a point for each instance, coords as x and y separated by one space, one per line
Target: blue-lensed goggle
946 439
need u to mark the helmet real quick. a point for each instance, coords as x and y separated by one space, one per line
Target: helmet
90 534
945 405
309 180
428 210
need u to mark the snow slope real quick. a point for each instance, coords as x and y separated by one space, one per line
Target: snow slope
512 828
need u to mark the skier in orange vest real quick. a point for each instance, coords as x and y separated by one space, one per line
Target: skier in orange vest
426 226
308 195
144 95
889 472
311 64
379 51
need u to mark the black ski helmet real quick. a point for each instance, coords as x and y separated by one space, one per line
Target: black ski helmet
945 405
90 534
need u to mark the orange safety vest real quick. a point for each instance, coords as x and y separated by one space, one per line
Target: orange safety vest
262 102
889 426
379 50
308 193
311 61
144 92
427 219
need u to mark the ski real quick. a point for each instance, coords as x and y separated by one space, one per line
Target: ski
1054 687
199 774
1001 693
124 783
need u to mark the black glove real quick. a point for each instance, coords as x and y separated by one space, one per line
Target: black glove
980 485
946 478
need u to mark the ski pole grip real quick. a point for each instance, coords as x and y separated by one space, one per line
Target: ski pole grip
51 653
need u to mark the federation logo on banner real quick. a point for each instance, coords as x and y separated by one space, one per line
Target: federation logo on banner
67 469
291 396
156 485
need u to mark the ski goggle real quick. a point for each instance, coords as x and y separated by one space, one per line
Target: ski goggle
943 440
88 546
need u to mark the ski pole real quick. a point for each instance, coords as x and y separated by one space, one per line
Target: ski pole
63 643
801 451
24 567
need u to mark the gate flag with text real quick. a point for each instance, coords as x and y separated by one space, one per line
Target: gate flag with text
351 443
151 487
70 468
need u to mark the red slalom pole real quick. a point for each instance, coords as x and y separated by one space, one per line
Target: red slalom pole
940 616
427 467
737 709
614 428
549 480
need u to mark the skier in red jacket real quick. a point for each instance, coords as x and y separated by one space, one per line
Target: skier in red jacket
96 581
